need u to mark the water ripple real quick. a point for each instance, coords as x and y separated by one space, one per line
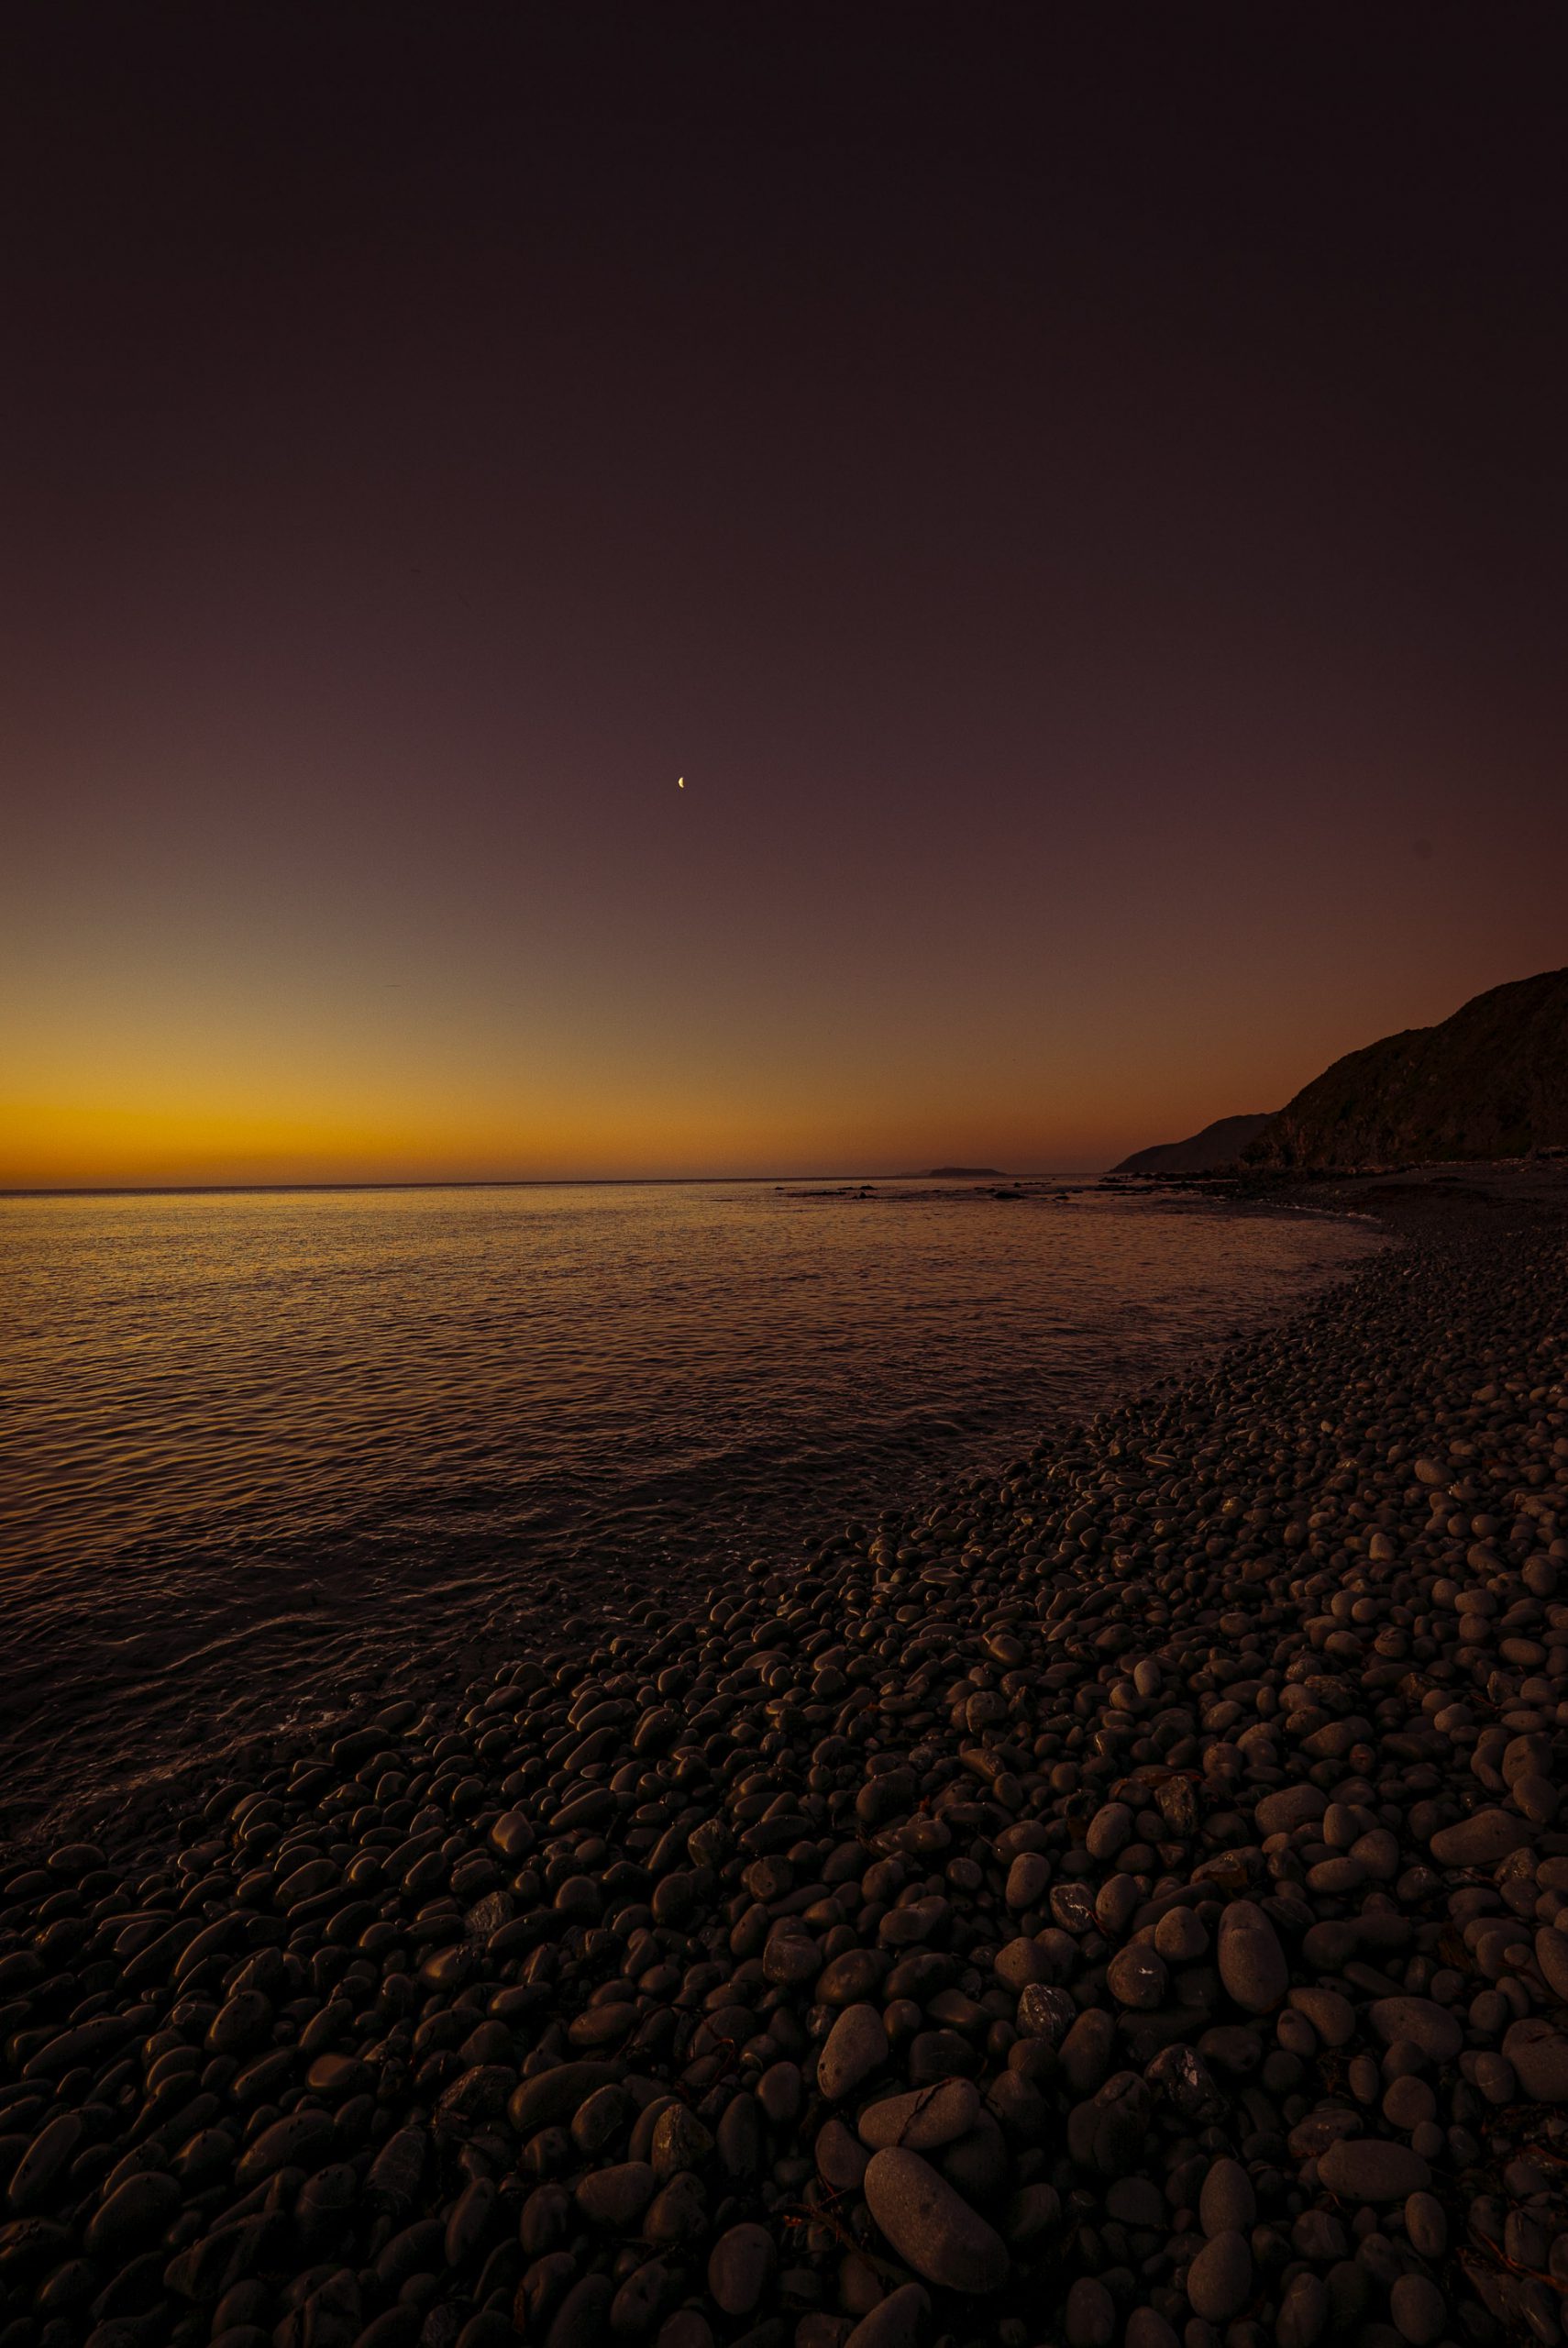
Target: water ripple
268 1447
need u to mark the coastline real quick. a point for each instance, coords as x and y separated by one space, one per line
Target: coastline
1171 1824
246 1547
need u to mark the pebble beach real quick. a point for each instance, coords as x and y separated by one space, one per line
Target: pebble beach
1122 1903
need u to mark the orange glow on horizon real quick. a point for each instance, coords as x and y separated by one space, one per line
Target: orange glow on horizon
47 1146
171 1092
1103 579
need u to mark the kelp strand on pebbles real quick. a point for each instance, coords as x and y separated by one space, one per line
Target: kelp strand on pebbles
1121 1903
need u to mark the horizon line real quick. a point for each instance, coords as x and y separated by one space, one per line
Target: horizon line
494 1182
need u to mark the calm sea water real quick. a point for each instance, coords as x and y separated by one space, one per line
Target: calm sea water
271 1450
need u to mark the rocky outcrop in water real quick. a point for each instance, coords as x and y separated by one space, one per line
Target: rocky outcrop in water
1125 1902
953 1174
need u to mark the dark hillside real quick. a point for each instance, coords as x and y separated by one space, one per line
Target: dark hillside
1491 1081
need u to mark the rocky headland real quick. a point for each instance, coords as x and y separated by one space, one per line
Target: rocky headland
1125 1904
1212 1151
1491 1081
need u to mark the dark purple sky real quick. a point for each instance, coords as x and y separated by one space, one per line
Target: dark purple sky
1079 494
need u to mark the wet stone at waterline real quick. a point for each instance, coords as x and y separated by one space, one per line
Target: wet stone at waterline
1121 1904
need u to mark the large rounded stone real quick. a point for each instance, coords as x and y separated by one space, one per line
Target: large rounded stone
1480 1840
1019 1963
1252 1963
302 2139
581 2317
1331 2015
1418 2310
1372 2168
1539 2059
931 2226
1536 1798
1089 2319
897 2322
1227 2203
1551 1956
1110 1831
1136 1978
851 1977
1303 2313
550 2097
854 2047
1028 1880
1422 2021
740 2267
617 2197
923 2118
1181 1938
134 2216
1291 1806
49 2155
1426 2225
1219 2280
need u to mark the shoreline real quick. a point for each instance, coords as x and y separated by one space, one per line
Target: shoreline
150 1662
1047 1919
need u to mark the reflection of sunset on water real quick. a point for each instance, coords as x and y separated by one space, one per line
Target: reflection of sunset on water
256 1437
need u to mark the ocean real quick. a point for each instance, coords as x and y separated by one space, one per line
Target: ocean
271 1450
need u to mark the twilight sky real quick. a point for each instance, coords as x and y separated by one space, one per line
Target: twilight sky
1079 494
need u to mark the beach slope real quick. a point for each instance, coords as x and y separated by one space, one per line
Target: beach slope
1124 1901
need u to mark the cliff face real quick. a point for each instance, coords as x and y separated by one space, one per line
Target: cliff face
1492 1082
1216 1146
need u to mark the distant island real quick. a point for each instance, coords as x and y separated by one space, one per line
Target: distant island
953 1174
1490 1081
